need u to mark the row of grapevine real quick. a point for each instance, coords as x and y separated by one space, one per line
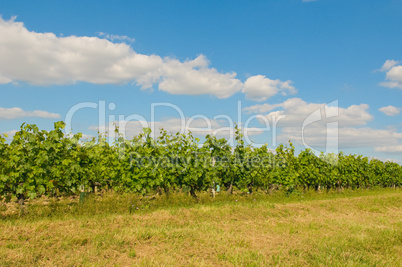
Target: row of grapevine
38 162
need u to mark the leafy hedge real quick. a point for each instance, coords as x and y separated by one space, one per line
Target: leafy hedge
39 162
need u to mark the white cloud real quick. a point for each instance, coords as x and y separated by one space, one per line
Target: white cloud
346 134
114 37
259 88
385 159
296 111
10 134
4 80
45 59
13 113
389 149
261 108
195 78
390 110
348 137
388 65
393 74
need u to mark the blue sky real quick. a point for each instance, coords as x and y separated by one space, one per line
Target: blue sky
278 58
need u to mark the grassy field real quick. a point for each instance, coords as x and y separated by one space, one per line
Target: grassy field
352 228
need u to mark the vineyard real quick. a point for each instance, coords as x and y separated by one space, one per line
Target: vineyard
38 162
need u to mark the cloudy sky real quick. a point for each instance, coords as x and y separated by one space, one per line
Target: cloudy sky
325 74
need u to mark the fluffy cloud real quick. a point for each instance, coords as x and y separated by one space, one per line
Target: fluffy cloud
14 113
114 37
326 126
348 137
393 74
262 108
260 88
45 59
388 65
194 78
295 111
389 149
390 110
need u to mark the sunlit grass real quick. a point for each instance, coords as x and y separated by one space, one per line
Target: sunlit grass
352 228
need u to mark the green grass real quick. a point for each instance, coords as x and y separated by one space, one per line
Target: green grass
351 228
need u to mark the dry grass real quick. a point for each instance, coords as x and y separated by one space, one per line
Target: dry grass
358 229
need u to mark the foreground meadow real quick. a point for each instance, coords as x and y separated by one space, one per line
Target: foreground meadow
351 228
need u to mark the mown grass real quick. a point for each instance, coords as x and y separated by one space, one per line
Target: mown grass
351 228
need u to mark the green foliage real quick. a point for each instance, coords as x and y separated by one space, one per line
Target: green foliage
38 162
